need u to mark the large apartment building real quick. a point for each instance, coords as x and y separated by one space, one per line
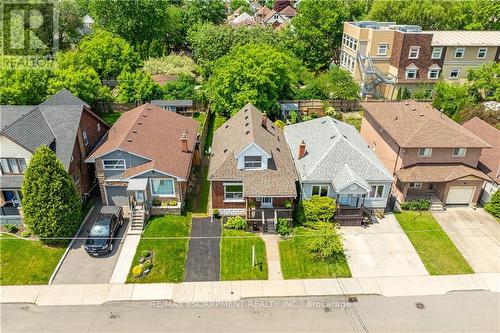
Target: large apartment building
391 61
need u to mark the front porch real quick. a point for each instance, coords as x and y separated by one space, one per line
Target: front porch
10 207
352 216
265 219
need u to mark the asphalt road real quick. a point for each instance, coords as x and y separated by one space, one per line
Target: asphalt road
473 311
80 268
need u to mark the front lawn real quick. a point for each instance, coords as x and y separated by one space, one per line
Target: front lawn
27 262
109 117
236 256
200 198
435 248
169 253
297 262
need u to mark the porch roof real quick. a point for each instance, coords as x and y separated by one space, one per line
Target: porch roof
437 173
138 184
11 182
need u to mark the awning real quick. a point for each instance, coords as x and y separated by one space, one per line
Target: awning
437 173
138 184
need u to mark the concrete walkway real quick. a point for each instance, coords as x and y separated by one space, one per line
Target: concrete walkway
273 257
96 294
124 262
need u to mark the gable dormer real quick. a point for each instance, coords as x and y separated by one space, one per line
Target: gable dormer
252 157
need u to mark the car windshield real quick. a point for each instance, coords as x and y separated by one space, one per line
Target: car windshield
100 228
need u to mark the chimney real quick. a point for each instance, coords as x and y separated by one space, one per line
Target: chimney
302 149
264 120
184 143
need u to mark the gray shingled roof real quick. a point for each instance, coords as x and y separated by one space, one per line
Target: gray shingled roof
64 97
11 182
11 113
335 152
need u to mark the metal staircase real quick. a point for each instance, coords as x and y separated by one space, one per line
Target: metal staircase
137 217
372 76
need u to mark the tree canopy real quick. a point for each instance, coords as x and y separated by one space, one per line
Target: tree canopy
51 205
182 88
137 87
173 64
451 98
337 83
23 86
197 11
485 81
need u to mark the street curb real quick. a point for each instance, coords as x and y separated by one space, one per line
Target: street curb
69 246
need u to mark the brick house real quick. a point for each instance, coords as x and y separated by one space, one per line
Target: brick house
430 155
251 169
65 124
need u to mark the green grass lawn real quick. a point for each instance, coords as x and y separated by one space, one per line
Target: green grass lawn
109 117
169 255
200 199
435 248
297 262
200 117
27 262
216 121
236 256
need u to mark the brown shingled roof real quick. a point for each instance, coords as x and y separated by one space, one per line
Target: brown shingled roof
417 124
244 128
437 173
154 133
489 161
288 11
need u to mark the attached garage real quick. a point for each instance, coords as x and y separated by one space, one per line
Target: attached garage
460 195
116 195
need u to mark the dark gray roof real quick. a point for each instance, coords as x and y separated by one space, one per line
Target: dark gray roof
64 97
11 113
173 102
11 182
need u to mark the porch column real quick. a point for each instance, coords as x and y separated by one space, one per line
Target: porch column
406 186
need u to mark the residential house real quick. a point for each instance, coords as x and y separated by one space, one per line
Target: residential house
146 158
430 155
489 161
262 13
185 107
65 124
333 160
288 12
392 61
251 169
243 19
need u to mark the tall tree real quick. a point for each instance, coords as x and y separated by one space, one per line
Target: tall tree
451 98
337 83
137 87
51 205
71 15
197 11
23 86
182 88
485 81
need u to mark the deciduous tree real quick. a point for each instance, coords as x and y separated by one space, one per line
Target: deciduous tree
137 87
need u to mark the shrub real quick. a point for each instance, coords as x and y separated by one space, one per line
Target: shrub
147 264
137 270
421 204
145 253
26 233
283 227
156 202
279 123
236 222
316 209
172 203
493 207
326 243
215 212
287 203
11 228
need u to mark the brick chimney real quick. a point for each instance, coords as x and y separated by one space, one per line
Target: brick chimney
264 120
184 143
302 149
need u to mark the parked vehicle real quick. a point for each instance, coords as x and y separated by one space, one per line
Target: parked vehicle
103 231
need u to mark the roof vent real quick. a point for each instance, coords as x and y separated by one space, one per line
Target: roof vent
407 103
414 109
246 117
227 126
247 124
323 122
134 131
247 132
129 140
344 136
421 114
225 150
278 148
245 110
332 137
144 115
139 122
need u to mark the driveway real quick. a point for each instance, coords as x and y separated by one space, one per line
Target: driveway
476 234
203 257
381 249
80 268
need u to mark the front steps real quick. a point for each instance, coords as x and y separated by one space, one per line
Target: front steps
136 221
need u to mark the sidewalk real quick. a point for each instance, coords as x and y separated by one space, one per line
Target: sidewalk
96 294
273 257
124 262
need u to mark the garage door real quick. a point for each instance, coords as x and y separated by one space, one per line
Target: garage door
117 195
460 195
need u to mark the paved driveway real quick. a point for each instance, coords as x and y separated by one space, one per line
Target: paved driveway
381 249
78 267
476 234
203 257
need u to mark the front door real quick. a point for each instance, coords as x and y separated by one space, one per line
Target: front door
139 196
266 202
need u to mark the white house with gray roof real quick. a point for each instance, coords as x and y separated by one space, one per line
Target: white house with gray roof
332 159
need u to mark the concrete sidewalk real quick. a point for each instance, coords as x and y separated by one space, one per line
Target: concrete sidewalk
122 268
273 257
96 294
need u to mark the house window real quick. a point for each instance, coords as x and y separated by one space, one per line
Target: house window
98 127
76 178
382 49
411 74
233 192
350 42
415 185
425 152
162 187
414 51
344 200
454 73
459 52
436 52
253 162
481 53
113 164
85 138
433 74
377 191
347 61
13 166
321 190
459 152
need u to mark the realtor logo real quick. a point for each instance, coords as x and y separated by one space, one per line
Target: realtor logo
29 29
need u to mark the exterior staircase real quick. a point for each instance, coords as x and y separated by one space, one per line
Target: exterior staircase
372 76
270 226
436 205
136 220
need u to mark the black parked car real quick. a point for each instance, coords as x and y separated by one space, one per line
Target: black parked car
104 229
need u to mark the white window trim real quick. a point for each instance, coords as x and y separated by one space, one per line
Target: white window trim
431 71
163 195
85 138
411 69
419 155
98 127
462 155
458 73
485 52
114 159
376 192
233 200
254 167
455 53
386 49
415 185
412 48
320 186
440 52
